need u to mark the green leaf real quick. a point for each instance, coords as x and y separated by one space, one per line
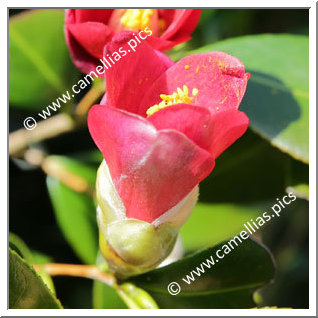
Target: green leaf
40 67
297 176
206 224
40 258
26 288
244 171
277 100
76 215
135 297
17 244
227 284
106 297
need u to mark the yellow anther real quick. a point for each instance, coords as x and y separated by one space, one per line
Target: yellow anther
195 92
137 19
187 67
179 97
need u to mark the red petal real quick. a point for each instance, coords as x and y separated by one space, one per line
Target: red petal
227 127
183 24
180 24
92 36
85 15
81 58
159 44
152 171
81 55
219 77
214 133
129 78
193 121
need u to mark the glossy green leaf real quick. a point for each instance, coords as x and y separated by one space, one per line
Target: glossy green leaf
17 244
297 176
277 100
76 215
213 223
26 288
120 296
106 297
40 67
135 297
40 258
243 173
229 283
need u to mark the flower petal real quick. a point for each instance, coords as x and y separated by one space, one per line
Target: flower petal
180 24
152 170
82 59
219 77
193 121
129 78
85 15
227 127
183 24
91 36
214 133
80 54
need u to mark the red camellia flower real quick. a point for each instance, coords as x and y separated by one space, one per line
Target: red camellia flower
163 124
88 30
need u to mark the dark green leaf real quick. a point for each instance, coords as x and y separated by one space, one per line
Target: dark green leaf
298 179
26 288
244 171
227 284
40 67
277 100
76 215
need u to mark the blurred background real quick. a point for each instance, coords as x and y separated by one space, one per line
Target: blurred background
247 179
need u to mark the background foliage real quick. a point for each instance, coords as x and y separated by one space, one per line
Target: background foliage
57 223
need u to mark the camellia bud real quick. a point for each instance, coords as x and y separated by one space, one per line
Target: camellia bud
160 131
133 246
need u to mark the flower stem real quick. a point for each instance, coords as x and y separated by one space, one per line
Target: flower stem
20 139
86 271
54 168
91 96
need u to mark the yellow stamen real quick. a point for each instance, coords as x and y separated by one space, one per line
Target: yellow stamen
187 67
137 19
179 97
